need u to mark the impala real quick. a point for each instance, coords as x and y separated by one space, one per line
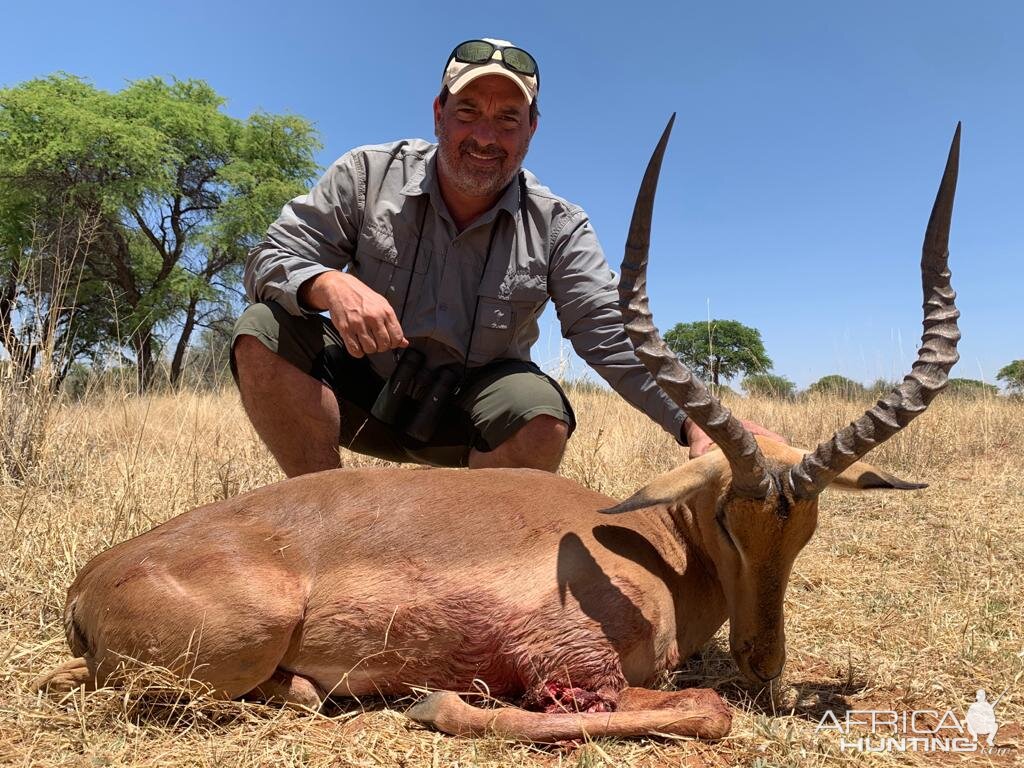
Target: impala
379 581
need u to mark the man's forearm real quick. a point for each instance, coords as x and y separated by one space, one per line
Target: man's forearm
364 319
315 294
314 234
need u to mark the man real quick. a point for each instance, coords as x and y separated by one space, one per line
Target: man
450 251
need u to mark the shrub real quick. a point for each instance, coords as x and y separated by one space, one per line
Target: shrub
839 386
769 385
971 388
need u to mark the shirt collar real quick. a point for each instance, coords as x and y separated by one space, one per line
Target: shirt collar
422 180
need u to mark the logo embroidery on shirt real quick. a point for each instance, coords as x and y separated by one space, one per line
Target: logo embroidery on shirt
517 276
498 320
384 240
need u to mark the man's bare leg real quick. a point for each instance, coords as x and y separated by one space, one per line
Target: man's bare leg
539 444
294 414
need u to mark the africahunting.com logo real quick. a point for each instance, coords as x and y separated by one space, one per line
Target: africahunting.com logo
918 730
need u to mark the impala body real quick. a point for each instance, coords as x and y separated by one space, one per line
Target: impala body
360 582
354 581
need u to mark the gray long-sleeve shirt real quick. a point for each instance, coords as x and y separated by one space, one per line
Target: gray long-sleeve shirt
378 212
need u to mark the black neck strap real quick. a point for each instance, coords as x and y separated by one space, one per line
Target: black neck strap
415 260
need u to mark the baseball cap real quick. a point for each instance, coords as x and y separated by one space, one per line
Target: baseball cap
490 56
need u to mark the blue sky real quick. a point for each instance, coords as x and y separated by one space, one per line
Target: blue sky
805 158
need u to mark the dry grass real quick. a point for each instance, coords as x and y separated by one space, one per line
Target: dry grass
900 601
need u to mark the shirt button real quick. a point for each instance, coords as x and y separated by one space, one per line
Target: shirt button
391 289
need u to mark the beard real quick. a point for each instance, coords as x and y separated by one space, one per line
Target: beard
470 178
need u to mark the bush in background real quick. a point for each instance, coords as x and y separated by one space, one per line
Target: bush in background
769 385
838 386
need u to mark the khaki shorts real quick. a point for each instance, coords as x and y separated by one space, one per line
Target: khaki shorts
495 401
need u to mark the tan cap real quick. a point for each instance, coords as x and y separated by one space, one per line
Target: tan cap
459 74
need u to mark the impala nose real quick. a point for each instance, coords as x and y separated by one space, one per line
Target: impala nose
767 677
766 664
760 662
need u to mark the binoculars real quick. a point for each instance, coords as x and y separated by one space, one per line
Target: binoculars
415 395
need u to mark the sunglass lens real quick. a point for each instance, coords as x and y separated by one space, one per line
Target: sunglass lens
474 52
520 61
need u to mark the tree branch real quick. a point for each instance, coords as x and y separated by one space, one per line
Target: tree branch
150 235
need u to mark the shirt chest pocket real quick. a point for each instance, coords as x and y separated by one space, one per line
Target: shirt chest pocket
528 300
492 331
390 267
498 319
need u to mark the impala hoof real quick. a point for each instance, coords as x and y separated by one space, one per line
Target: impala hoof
427 711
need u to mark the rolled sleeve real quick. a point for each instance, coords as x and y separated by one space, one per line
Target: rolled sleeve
585 294
315 233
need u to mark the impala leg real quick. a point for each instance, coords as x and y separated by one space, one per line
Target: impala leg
288 688
698 699
445 711
70 675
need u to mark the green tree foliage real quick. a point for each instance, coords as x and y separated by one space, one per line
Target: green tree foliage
769 385
971 388
171 190
1013 375
836 385
719 350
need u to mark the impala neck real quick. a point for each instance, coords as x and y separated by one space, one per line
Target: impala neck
699 601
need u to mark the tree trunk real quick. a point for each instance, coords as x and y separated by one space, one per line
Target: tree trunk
144 359
186 334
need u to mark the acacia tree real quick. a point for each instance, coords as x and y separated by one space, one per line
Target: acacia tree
177 191
1013 375
720 349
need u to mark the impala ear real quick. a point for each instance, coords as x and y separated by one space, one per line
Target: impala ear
861 476
638 500
697 475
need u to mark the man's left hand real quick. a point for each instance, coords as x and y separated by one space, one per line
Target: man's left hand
700 443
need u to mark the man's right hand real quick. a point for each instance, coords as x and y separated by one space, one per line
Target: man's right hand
700 443
364 319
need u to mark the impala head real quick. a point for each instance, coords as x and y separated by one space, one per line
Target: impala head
755 504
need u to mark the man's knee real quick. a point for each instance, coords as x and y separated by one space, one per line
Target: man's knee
539 444
247 348
267 340
543 429
543 436
252 360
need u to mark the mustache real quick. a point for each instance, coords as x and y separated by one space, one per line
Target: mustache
489 151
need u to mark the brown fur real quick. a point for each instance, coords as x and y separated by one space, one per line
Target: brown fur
357 582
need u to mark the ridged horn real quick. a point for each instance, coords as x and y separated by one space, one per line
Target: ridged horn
749 477
931 369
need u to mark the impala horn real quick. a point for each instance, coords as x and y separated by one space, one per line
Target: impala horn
930 371
749 477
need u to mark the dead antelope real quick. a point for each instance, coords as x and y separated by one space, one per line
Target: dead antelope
372 582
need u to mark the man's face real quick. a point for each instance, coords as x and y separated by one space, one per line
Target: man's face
483 134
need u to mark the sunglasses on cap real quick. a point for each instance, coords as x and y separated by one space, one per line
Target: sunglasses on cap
480 52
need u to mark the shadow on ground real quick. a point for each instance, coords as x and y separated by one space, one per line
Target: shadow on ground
800 694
